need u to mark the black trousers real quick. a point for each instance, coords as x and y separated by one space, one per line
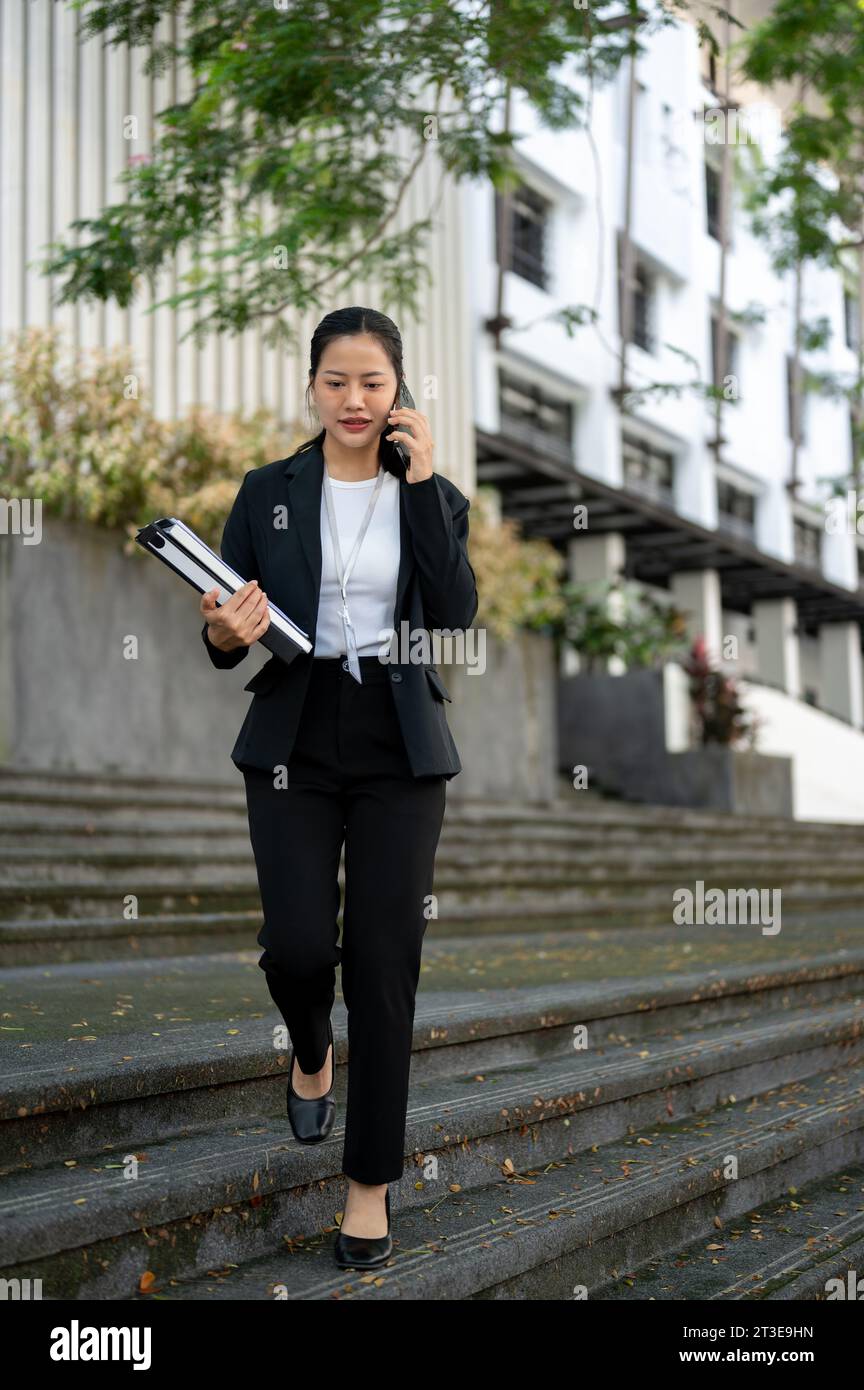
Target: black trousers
348 779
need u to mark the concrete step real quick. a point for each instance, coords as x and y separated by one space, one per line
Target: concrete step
154 936
788 1248
215 922
39 1000
86 1083
88 1075
173 924
245 1214
460 875
557 1228
49 789
119 1053
50 860
54 783
137 1044
58 822
611 812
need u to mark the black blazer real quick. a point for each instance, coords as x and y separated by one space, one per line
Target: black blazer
436 588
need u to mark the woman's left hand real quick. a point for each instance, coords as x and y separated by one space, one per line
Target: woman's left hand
419 445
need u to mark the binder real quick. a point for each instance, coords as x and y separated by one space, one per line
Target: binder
178 547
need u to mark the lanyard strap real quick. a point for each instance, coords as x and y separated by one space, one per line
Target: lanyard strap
343 575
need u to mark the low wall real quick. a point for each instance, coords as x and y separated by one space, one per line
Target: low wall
71 699
505 721
619 728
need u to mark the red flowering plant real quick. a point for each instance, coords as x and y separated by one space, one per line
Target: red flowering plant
716 701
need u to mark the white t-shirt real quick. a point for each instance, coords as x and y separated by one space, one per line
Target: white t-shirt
372 581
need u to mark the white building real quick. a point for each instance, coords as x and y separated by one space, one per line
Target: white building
724 536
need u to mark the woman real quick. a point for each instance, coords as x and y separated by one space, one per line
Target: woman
343 745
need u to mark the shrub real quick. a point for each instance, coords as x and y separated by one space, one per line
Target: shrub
518 581
716 702
619 618
80 436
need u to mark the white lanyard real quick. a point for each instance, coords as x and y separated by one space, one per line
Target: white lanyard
342 576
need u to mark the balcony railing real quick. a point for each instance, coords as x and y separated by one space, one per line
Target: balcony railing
525 432
651 488
737 526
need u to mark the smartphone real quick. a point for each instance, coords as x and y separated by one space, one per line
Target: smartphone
405 400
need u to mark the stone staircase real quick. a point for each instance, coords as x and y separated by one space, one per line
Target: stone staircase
603 1104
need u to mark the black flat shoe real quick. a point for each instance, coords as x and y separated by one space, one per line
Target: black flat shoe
364 1252
312 1119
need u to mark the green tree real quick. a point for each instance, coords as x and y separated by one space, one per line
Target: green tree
284 160
817 184
809 206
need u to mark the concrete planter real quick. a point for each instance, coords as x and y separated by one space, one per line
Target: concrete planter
504 722
616 727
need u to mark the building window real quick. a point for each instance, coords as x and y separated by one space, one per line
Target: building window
648 470
808 543
732 355
529 214
532 415
709 70
736 510
795 402
712 199
643 304
643 308
850 320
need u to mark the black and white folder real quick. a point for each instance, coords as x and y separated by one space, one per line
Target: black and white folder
177 546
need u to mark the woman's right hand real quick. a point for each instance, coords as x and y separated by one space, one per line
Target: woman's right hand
240 621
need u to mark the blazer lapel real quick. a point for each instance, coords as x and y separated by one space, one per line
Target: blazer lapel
305 474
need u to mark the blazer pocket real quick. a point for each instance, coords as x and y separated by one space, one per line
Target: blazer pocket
437 684
265 679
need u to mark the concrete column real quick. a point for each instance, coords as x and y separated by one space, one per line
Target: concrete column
840 671
698 593
595 557
677 707
595 560
778 658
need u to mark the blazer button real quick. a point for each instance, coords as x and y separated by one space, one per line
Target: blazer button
396 676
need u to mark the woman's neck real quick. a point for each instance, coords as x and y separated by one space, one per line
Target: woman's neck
350 465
